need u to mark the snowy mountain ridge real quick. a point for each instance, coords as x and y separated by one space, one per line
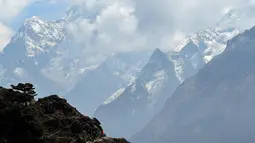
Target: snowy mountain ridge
40 36
47 45
154 85
199 48
142 99
114 96
210 42
215 105
204 45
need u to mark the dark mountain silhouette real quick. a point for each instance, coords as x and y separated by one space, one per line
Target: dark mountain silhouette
47 120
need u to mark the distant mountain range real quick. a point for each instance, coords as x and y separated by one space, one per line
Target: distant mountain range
216 105
95 86
125 89
135 105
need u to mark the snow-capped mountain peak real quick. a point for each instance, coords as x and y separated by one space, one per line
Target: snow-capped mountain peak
209 42
212 41
40 36
162 74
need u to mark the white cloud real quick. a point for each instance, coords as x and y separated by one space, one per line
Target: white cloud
11 8
5 35
114 29
122 25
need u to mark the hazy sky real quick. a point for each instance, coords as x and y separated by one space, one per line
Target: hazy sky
130 23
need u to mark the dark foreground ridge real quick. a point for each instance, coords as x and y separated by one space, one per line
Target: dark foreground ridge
47 120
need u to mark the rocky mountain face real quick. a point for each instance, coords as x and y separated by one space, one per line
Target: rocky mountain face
140 100
134 106
29 51
46 54
216 105
117 71
47 120
40 52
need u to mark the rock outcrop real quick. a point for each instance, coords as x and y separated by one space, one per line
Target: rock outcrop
47 120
